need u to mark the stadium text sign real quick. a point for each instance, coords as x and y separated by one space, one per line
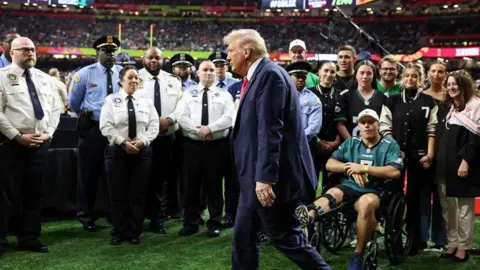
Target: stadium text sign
460 52
285 4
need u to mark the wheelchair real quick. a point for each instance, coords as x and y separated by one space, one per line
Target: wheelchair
331 228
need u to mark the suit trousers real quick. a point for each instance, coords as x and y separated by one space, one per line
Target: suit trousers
281 228
161 191
91 149
127 177
21 175
459 215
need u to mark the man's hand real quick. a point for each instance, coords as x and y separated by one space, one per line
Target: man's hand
130 148
31 140
462 169
204 131
138 144
353 168
403 155
426 161
265 194
359 179
324 147
164 125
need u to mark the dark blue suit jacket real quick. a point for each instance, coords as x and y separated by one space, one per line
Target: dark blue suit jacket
234 89
269 143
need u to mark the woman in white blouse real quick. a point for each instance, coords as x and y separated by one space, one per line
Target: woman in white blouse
130 123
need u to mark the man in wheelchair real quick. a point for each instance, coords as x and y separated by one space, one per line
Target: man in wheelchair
365 163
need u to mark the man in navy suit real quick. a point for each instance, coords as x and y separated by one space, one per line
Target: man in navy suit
271 157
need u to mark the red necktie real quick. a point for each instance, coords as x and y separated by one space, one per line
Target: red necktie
244 87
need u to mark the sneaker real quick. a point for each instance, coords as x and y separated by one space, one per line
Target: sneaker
353 243
301 213
435 248
357 262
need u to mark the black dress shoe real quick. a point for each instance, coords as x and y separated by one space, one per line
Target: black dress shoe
90 227
160 228
116 240
187 231
460 260
135 241
229 222
447 255
213 233
34 247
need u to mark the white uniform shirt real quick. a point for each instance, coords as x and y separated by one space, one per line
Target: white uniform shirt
114 118
170 94
220 111
16 109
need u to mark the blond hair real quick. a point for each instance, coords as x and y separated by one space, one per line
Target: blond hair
389 59
421 74
247 39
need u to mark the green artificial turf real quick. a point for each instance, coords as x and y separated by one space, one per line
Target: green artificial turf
72 248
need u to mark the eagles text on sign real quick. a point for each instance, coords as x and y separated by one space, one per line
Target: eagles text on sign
467 52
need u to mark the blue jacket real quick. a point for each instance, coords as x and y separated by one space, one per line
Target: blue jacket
268 139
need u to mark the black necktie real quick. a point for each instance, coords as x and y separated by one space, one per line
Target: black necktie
37 106
205 107
132 121
109 82
158 97
221 84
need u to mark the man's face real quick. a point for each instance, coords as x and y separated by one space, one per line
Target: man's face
297 53
107 56
345 60
299 80
206 72
368 127
238 59
152 61
182 70
221 71
388 72
23 53
6 44
437 73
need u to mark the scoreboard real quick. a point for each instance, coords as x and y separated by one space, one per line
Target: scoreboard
284 4
304 4
56 2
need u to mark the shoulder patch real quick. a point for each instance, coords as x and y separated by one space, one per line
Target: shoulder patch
76 77
140 82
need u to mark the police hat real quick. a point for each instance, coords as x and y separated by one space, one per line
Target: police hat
123 58
218 58
106 41
182 58
299 68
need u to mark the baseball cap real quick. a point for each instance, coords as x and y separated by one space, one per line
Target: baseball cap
368 113
297 42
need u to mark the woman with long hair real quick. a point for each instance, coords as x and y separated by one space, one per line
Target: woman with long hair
457 170
410 118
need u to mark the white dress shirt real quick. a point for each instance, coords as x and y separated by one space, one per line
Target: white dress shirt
16 109
114 118
220 110
170 93
252 69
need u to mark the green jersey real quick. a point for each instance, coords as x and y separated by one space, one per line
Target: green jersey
394 91
312 80
386 152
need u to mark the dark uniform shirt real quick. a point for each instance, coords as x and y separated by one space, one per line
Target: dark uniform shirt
351 103
328 97
411 119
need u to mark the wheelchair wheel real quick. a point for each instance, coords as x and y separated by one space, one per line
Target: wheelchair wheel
333 231
397 240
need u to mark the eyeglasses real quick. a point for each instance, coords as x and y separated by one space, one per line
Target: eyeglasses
25 50
460 71
389 69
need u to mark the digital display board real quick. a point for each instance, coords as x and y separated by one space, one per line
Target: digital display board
284 4
340 3
55 2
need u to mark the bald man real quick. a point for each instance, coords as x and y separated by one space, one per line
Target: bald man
6 59
29 115
165 90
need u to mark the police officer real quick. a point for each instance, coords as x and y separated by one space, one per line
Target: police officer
205 115
123 59
310 106
129 120
6 58
219 59
28 119
89 87
181 66
410 118
165 90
